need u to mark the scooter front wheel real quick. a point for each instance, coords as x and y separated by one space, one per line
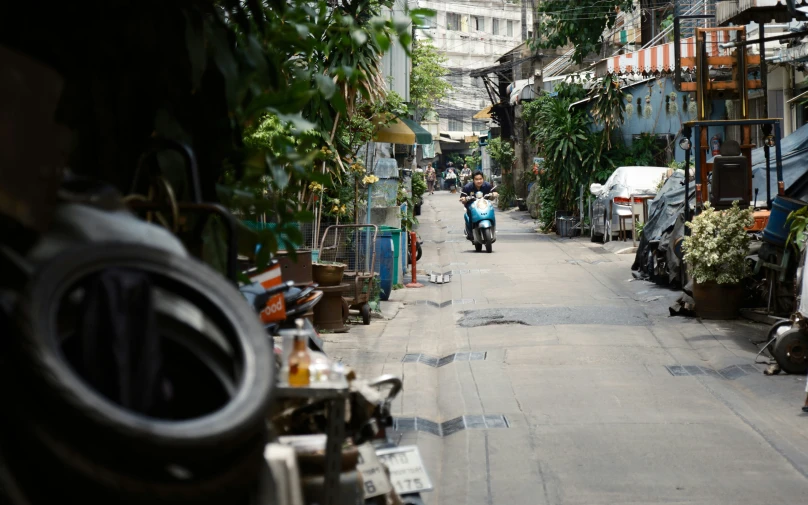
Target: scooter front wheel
488 239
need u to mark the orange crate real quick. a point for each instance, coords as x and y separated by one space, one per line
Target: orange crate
761 219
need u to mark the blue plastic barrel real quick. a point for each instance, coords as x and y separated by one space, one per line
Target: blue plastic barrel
776 231
385 263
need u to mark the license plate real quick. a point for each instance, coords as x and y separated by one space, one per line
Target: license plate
407 471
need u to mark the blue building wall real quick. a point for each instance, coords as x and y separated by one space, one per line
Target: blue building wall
661 121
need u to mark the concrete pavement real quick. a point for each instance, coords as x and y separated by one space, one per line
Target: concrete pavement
606 399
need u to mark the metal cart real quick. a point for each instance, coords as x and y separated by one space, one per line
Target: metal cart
355 246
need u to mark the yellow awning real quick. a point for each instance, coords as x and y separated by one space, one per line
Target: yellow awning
403 131
483 114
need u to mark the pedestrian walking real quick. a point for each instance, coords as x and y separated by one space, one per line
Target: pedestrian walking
431 177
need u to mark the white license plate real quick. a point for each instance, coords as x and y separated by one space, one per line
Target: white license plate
407 472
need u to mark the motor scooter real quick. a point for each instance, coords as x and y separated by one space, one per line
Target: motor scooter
407 473
483 222
788 339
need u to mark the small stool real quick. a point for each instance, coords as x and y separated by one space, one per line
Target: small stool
623 216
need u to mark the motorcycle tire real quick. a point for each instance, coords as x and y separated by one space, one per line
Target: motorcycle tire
80 412
488 239
74 474
478 247
791 352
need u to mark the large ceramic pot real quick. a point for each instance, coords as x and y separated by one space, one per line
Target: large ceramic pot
717 301
327 274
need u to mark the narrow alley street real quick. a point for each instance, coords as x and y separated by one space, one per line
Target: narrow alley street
541 374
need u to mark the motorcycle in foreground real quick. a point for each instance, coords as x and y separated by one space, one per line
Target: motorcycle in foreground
388 468
788 339
483 222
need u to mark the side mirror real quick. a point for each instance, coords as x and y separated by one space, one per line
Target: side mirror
595 189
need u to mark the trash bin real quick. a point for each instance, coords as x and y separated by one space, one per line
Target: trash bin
565 226
385 263
396 235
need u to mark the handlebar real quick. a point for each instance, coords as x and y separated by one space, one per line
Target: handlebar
388 379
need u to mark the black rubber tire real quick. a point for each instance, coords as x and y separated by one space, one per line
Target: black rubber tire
791 352
776 330
478 247
365 311
74 474
73 408
487 239
418 251
596 238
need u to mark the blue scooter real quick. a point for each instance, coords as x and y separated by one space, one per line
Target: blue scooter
483 222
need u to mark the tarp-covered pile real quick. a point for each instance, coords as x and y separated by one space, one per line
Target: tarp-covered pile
655 259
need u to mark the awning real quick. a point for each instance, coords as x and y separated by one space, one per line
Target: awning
456 135
483 114
404 131
661 58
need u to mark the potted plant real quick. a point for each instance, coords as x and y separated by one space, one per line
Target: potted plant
418 190
715 254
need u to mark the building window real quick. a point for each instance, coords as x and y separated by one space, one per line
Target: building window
477 82
452 21
455 80
455 125
478 23
478 126
510 29
495 26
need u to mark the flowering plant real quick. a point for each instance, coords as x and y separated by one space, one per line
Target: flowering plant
369 179
718 244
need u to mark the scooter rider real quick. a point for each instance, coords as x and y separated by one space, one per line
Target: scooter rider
478 183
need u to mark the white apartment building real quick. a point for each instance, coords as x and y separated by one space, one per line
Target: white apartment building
472 34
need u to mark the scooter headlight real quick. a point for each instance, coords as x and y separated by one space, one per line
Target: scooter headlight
478 195
482 204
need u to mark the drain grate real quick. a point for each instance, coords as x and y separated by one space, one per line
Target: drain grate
446 428
731 372
439 362
440 305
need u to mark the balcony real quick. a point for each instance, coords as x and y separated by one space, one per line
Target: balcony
741 12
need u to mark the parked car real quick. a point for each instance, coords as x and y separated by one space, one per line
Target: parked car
624 182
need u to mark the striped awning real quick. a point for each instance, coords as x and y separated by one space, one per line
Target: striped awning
661 58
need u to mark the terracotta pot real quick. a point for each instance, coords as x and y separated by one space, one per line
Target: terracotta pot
717 301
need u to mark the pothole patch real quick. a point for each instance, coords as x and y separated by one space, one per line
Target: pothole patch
546 316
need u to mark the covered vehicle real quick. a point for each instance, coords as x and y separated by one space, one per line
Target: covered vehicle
624 182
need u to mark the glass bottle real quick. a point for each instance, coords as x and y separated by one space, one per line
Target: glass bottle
299 359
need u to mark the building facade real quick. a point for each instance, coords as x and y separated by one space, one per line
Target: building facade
472 34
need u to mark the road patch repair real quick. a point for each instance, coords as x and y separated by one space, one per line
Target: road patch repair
548 316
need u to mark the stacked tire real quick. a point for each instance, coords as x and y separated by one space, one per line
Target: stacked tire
63 439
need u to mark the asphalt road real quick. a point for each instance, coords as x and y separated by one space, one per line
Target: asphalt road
541 374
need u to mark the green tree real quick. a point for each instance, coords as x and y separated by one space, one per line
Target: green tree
580 23
427 87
